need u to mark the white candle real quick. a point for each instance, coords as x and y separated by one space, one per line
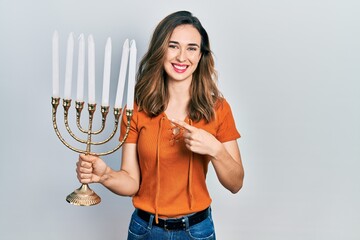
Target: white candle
69 63
55 64
81 69
91 69
122 74
131 80
106 76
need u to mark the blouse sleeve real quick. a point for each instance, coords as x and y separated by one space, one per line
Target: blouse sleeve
226 124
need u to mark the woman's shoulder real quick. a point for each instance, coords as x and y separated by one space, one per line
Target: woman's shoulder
222 105
141 115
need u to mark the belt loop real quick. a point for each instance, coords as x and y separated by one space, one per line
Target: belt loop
151 220
186 224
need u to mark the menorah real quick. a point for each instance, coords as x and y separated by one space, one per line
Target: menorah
85 196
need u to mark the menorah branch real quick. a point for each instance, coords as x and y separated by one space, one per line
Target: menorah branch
55 104
79 106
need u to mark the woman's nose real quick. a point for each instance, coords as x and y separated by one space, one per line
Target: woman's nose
181 56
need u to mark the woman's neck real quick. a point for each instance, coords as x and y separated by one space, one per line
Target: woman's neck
179 97
179 91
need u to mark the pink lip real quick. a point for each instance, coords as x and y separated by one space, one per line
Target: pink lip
180 68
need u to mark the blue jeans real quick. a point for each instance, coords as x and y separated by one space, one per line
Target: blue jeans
140 229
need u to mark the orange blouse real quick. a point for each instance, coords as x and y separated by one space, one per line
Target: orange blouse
173 179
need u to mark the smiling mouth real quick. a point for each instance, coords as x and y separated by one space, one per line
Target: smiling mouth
179 68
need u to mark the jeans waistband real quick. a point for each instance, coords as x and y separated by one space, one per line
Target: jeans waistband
175 223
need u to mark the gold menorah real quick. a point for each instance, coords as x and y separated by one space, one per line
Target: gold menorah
84 196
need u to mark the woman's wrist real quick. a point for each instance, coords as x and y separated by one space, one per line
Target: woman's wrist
106 175
217 151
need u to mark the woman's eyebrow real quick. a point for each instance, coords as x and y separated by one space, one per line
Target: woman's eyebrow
190 44
193 44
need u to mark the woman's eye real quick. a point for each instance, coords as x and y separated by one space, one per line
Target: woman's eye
172 46
192 48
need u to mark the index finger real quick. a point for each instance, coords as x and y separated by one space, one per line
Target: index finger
183 124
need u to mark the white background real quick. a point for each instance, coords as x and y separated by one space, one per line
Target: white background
290 70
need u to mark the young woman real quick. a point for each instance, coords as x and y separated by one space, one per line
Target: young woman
180 124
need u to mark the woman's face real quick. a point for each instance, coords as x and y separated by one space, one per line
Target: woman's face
183 53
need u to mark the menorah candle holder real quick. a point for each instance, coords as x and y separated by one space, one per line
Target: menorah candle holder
84 196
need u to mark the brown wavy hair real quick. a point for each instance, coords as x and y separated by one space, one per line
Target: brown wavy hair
151 93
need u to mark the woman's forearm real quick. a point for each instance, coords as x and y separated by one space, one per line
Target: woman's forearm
228 167
119 182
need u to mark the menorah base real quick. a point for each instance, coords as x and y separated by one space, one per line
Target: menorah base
83 196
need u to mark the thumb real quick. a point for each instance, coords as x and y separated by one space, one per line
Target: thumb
88 158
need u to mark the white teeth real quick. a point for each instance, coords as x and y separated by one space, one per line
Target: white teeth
179 67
